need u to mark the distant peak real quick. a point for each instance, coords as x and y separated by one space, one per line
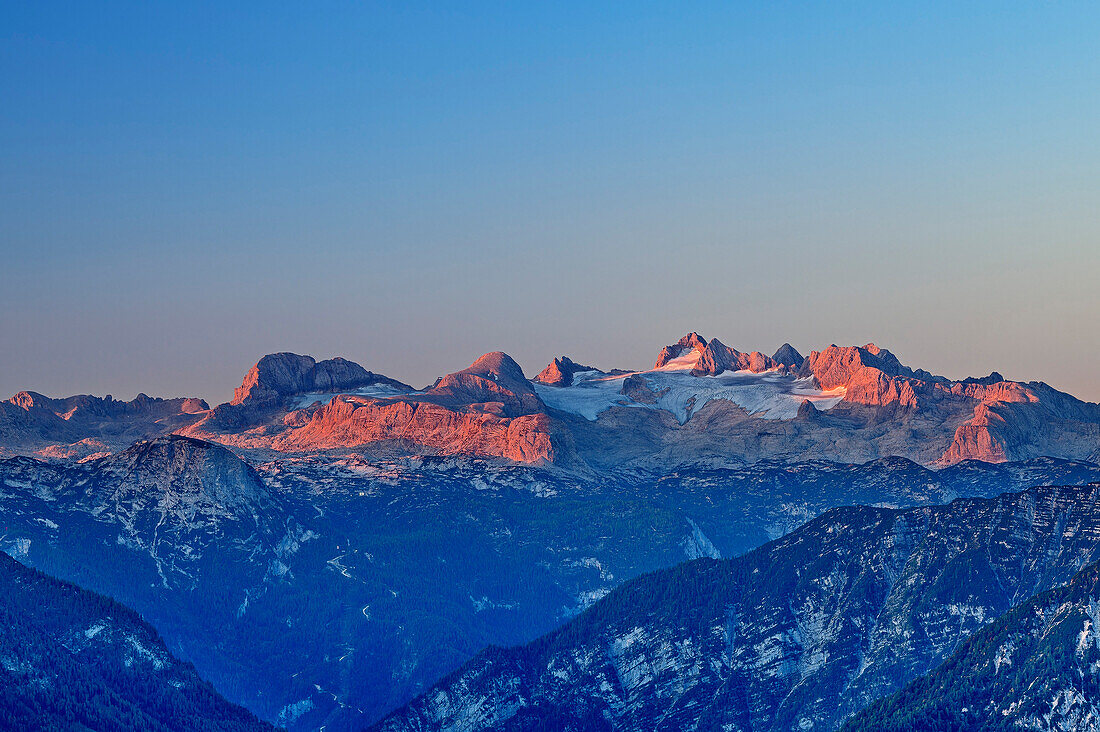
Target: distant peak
711 358
788 355
560 372
807 410
993 378
285 374
496 363
27 399
691 341
494 377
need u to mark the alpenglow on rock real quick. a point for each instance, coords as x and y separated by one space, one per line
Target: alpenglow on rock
702 401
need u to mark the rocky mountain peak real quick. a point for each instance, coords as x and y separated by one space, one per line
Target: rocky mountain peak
494 377
807 410
79 425
788 356
268 386
500 367
714 356
190 470
993 378
691 341
285 374
275 373
836 365
26 399
560 372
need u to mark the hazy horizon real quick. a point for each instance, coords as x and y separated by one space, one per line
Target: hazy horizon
187 189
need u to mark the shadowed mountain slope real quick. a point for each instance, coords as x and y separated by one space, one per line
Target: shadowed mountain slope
72 659
798 634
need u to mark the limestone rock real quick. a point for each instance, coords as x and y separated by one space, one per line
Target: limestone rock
560 372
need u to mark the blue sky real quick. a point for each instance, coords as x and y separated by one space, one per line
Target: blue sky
185 187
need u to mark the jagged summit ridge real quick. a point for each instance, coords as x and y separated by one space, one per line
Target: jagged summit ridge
281 380
711 358
560 372
488 409
83 425
690 342
702 400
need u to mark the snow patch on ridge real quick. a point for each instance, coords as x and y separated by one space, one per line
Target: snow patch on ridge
378 391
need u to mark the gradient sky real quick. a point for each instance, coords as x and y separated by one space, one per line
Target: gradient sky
183 189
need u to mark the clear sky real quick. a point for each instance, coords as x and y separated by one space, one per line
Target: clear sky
187 186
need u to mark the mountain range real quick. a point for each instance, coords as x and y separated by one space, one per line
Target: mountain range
726 539
327 591
702 400
802 632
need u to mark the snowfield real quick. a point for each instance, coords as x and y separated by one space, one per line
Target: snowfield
770 394
380 391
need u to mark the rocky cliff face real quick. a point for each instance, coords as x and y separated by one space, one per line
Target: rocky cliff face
286 374
796 635
1034 668
560 372
713 357
1002 420
492 379
489 409
425 426
271 385
867 405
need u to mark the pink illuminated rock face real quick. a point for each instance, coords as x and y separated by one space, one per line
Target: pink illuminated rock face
493 378
442 430
489 409
713 357
560 372
868 374
703 400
